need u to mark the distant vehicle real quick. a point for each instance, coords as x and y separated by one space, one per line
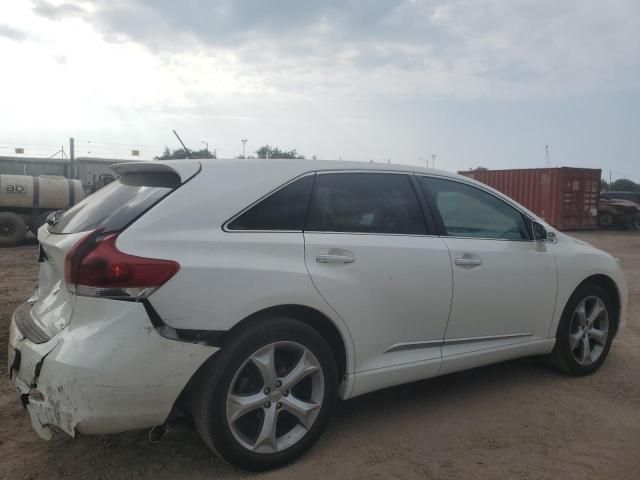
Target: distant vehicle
25 203
94 173
617 212
251 294
630 196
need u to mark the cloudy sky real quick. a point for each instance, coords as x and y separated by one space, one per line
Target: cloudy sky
476 82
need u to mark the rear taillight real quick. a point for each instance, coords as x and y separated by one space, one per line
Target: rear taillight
96 268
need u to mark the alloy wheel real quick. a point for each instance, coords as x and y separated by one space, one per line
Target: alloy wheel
606 220
275 397
589 330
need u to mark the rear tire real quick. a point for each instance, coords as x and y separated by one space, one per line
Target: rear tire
251 407
585 331
13 229
605 220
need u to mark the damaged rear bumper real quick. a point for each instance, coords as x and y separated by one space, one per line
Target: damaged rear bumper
108 371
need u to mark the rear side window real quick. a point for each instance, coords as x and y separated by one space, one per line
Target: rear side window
284 209
365 203
115 206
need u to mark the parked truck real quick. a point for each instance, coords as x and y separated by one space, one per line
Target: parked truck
94 173
25 203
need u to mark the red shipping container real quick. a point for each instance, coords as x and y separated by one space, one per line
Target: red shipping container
565 197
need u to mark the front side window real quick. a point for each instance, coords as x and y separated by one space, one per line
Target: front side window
365 203
467 211
284 209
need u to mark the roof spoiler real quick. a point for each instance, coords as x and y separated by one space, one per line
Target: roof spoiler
185 169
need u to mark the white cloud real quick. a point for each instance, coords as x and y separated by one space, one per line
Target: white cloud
141 53
130 68
417 47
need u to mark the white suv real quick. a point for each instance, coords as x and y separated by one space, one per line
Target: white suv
251 294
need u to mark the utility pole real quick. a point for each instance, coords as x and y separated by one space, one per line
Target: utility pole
244 144
433 159
547 158
72 158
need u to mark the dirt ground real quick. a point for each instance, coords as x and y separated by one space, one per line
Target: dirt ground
516 420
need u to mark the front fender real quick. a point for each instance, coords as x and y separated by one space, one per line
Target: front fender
578 261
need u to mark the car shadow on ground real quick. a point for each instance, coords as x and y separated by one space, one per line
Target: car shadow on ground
183 453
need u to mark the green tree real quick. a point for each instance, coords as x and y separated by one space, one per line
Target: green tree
181 153
624 185
274 152
604 185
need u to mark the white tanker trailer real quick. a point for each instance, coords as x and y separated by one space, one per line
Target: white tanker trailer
25 203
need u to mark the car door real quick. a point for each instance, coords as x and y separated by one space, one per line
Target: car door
504 282
371 257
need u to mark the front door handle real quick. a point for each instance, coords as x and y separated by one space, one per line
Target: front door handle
467 260
335 258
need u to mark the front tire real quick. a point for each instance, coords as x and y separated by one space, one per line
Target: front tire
585 331
266 397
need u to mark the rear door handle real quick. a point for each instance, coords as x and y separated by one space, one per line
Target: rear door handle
467 260
334 258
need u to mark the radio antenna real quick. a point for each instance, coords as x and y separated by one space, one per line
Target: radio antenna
182 143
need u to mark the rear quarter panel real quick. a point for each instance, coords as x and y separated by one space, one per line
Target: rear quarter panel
224 277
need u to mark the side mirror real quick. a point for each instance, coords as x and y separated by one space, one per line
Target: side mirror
540 233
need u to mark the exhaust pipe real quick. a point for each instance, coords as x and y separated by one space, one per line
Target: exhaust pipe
174 426
158 432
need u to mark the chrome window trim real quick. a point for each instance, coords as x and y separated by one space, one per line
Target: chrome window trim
409 235
522 240
393 172
317 172
325 232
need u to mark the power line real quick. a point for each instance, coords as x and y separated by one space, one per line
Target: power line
93 142
28 145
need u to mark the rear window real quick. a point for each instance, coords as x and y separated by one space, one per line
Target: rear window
118 204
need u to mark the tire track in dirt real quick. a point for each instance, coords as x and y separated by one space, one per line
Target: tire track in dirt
513 420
